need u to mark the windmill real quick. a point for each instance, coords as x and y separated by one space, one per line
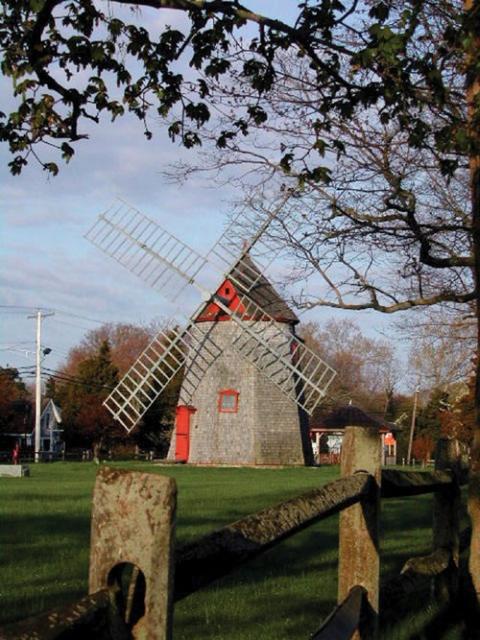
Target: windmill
244 321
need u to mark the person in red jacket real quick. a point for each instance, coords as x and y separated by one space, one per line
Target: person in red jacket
16 453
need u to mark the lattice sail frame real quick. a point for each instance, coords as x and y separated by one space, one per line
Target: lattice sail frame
122 232
154 369
165 262
280 355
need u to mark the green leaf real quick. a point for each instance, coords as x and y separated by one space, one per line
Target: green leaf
16 165
257 114
36 5
223 138
51 167
381 11
286 162
67 152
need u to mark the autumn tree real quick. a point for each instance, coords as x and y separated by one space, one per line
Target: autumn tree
14 400
126 342
367 368
406 75
86 419
458 419
83 411
428 427
441 351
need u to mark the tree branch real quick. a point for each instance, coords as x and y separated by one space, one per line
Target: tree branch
393 308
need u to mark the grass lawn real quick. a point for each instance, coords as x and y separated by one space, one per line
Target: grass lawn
44 547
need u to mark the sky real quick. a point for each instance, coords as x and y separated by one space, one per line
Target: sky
47 263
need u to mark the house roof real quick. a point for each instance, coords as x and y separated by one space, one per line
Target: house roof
57 414
28 428
349 415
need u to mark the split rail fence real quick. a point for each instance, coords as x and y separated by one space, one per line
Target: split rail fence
137 575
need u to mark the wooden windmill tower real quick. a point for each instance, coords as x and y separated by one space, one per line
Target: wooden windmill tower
248 380
237 415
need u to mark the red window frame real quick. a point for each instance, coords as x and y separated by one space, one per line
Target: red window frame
224 393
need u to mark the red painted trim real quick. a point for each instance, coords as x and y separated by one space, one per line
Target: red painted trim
213 313
227 392
183 414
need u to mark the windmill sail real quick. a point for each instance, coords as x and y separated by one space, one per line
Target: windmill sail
143 247
280 355
248 230
155 368
169 265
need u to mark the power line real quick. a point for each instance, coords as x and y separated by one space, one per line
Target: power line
12 312
24 308
71 324
60 311
47 372
76 381
75 315
59 372
68 376
25 352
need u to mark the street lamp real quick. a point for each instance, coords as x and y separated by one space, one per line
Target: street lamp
38 400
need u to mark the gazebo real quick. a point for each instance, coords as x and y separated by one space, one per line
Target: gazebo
327 434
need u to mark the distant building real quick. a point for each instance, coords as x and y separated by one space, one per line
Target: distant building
51 439
327 436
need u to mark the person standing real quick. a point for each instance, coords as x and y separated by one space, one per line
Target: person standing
16 453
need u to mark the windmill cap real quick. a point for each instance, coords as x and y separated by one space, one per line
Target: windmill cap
350 416
262 293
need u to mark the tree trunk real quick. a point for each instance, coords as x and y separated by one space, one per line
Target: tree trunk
97 450
472 8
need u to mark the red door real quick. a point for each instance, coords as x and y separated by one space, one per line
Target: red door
182 426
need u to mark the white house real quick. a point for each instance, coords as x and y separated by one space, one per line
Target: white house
51 440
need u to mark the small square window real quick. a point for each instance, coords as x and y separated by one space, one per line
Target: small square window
228 401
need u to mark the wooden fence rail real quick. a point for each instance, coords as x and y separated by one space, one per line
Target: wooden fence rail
136 574
217 554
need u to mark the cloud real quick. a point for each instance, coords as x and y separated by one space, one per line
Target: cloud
45 259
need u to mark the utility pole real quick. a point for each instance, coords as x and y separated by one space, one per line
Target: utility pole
38 380
412 426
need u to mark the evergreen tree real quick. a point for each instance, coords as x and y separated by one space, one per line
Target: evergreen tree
459 420
97 373
429 426
155 429
429 418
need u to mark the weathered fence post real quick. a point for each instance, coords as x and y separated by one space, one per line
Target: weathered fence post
446 518
359 562
132 547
